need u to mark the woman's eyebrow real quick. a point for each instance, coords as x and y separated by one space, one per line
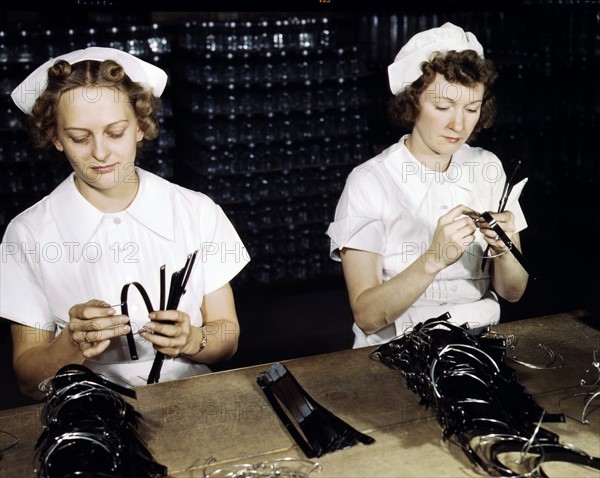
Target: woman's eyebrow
86 129
453 100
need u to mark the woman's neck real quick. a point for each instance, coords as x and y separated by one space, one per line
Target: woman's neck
428 158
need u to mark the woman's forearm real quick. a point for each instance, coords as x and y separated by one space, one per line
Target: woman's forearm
41 358
221 339
508 277
379 306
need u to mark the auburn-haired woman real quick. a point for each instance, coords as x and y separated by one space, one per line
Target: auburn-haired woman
407 227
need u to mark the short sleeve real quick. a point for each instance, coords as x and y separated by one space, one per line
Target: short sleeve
22 297
358 223
223 252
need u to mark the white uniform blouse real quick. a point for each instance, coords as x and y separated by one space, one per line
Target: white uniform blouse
63 251
390 206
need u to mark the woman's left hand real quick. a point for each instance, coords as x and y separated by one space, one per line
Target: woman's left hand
170 331
506 220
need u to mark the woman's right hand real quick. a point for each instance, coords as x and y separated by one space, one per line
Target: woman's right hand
454 232
93 324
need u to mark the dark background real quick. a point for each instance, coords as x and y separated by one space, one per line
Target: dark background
291 300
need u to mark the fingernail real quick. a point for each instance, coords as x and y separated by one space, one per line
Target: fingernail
152 315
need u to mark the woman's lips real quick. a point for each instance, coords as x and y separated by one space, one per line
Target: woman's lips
103 169
451 140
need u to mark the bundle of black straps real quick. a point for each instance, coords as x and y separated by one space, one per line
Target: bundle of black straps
90 430
465 379
177 289
314 428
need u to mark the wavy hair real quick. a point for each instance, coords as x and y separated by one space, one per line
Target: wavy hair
63 77
464 67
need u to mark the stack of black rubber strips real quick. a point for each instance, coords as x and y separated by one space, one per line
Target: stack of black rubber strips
465 380
90 430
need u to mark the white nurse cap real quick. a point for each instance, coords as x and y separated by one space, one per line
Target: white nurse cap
407 64
138 70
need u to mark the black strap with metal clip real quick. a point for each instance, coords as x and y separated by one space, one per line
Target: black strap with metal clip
511 246
125 309
508 186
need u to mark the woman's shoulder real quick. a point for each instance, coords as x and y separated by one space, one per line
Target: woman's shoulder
29 221
374 170
177 192
36 216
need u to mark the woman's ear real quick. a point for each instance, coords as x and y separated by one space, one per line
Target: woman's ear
58 145
140 134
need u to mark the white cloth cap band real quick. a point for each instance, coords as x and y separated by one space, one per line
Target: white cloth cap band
26 94
407 64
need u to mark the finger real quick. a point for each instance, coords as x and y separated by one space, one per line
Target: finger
505 216
97 303
466 223
170 323
502 218
167 316
489 233
164 342
167 330
457 211
90 350
493 240
77 325
460 227
90 311
98 335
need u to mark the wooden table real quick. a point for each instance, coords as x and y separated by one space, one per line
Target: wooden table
225 417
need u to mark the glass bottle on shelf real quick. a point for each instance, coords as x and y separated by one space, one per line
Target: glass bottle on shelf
23 50
136 42
115 39
158 40
91 37
6 49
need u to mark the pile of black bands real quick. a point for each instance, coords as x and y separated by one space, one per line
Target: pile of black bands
464 379
90 430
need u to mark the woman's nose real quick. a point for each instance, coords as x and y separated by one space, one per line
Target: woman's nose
101 150
457 122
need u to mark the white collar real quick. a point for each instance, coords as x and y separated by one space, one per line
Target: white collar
412 176
78 220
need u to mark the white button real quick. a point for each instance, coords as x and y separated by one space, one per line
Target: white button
135 308
454 288
444 207
116 220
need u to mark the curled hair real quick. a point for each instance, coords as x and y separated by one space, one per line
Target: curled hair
464 67
63 77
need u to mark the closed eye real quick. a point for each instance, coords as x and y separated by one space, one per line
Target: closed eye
80 140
